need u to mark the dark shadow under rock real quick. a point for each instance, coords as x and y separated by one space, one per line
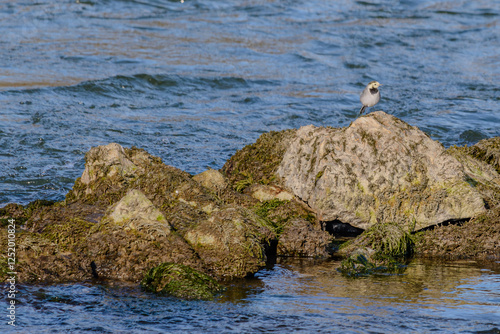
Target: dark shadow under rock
339 229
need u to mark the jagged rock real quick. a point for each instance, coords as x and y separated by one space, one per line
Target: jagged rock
107 161
487 150
259 160
129 212
379 169
483 176
477 239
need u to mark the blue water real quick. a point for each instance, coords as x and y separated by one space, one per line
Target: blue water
193 82
294 297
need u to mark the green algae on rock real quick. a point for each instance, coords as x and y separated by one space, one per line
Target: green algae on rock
358 265
381 249
259 160
232 242
136 211
383 240
481 175
298 231
180 281
130 212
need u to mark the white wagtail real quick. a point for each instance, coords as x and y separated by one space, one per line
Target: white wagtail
370 96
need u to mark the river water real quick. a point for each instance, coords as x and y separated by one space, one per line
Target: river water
194 81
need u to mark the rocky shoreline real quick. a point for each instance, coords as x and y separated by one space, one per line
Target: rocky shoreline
130 213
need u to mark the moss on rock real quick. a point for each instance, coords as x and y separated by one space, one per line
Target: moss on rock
358 265
487 150
385 240
379 250
379 169
232 242
260 160
297 230
180 281
130 212
477 239
480 174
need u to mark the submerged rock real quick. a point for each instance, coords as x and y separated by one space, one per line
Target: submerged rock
379 169
180 281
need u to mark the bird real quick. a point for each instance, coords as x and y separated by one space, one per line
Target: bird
370 96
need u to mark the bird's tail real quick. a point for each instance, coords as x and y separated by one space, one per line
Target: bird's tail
362 110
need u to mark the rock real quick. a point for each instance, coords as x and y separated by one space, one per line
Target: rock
212 179
483 176
260 160
180 281
135 211
230 242
11 210
303 239
381 241
266 193
108 161
377 250
379 169
297 230
477 239
487 150
129 212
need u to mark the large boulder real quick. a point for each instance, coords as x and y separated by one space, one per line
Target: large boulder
128 213
379 169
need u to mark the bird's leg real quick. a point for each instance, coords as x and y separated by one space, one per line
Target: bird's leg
362 110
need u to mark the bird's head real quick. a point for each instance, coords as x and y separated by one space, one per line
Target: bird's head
374 84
